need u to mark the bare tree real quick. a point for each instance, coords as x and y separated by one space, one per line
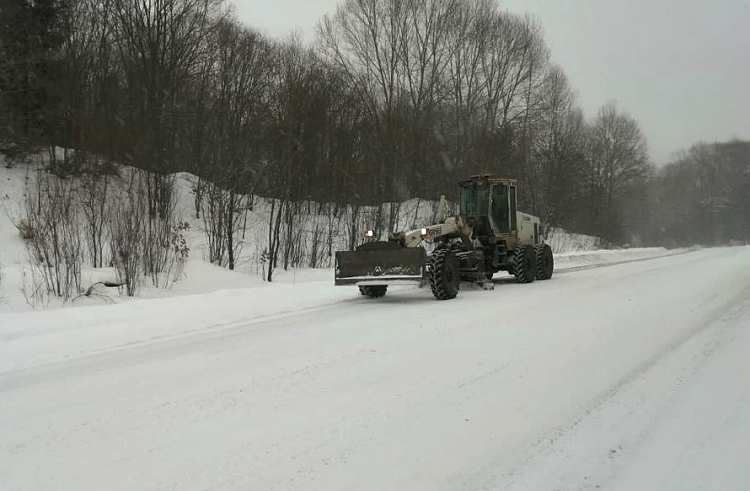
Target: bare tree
367 41
55 244
159 46
469 34
617 155
274 236
224 214
126 227
238 99
556 160
140 245
94 195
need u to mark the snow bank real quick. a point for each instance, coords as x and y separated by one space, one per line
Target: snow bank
569 260
562 241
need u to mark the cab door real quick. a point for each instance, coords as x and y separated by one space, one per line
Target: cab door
501 209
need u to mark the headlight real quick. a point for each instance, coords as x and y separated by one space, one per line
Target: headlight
370 233
424 232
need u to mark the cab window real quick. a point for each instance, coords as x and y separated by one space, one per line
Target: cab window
500 208
468 201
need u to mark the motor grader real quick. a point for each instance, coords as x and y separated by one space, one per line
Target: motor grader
488 235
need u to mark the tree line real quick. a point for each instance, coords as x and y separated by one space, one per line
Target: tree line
703 196
395 99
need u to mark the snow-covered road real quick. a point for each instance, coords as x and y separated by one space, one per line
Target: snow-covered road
632 376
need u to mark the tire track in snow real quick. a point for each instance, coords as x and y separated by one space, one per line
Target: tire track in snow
573 269
130 353
596 447
122 354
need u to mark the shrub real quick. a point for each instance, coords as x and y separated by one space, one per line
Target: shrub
54 237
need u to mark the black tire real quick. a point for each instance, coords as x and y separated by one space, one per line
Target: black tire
545 263
524 264
375 291
444 273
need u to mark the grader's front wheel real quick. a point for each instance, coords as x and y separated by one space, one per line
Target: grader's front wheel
444 274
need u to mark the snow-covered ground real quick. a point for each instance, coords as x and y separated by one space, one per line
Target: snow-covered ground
30 338
629 376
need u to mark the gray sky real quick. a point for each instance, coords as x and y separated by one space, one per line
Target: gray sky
680 67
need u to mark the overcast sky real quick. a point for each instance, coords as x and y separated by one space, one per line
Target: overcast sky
680 67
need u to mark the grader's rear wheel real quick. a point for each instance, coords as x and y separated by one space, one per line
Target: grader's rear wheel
545 263
524 264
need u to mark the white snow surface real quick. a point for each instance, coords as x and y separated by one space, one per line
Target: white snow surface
624 376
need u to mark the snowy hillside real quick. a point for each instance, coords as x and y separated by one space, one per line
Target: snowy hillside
199 275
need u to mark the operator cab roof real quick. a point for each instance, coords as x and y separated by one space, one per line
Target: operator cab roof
488 179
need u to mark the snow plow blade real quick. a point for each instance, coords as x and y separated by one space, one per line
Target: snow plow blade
380 263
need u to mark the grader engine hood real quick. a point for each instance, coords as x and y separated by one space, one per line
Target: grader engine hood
380 263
